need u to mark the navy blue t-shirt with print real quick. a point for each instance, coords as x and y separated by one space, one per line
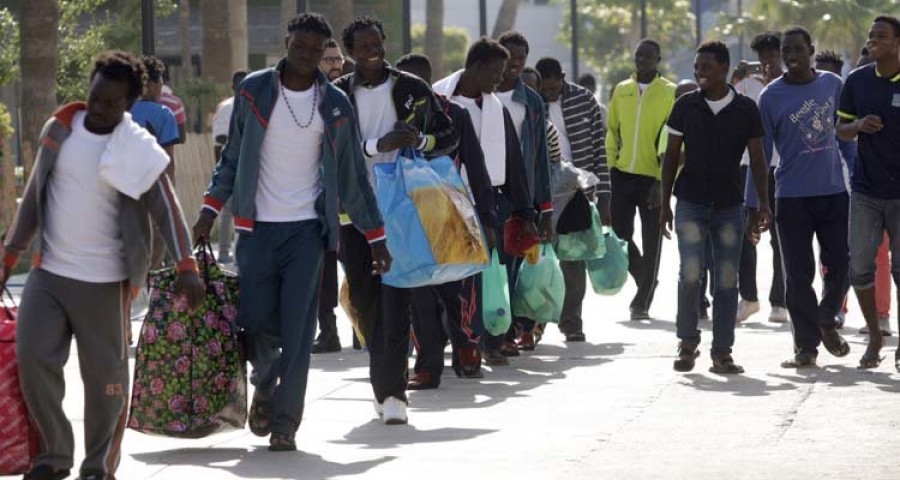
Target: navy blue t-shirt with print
877 169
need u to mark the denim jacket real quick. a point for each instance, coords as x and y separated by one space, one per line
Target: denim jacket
342 170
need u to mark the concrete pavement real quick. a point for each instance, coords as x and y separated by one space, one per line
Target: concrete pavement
611 408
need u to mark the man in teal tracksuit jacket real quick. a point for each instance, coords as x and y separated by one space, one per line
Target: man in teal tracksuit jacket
280 259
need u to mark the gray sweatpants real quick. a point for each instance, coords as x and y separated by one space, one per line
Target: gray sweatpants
52 310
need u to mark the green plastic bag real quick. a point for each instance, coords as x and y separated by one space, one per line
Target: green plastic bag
540 289
495 306
609 273
585 245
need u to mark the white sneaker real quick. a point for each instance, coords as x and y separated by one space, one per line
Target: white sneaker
745 309
379 408
884 323
394 412
778 315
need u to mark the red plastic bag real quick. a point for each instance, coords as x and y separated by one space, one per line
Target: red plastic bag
18 437
516 239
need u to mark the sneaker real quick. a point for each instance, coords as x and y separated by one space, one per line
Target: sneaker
509 349
778 315
746 309
687 357
639 314
469 363
494 358
884 323
394 411
527 342
46 472
575 337
422 381
330 344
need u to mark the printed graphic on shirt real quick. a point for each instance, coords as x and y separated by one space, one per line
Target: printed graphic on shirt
816 123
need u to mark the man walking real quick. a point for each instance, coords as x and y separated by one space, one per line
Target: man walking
798 112
576 115
292 154
395 111
637 114
98 180
715 125
870 112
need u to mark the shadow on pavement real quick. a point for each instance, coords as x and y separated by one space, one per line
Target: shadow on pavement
738 385
258 462
655 324
846 376
374 435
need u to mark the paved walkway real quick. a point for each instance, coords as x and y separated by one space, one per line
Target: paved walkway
608 409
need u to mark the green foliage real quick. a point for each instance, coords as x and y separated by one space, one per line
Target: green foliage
839 25
456 44
609 30
88 27
6 128
9 47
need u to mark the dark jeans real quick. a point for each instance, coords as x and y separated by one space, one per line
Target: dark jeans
799 220
629 194
724 227
328 297
384 315
777 290
869 216
458 302
575 276
278 311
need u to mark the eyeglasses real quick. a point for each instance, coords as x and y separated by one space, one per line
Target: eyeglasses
333 60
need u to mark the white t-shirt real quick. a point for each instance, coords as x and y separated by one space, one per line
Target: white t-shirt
516 110
718 105
82 239
558 121
643 87
377 117
289 176
222 119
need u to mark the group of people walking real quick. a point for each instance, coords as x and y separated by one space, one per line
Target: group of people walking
801 153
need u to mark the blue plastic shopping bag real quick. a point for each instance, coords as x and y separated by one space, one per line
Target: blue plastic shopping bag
540 289
432 228
609 273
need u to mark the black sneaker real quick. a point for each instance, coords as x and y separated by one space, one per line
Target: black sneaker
330 344
687 357
575 337
46 472
92 475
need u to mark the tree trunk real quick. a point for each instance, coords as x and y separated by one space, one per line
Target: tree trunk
434 36
7 184
340 14
184 33
288 11
39 46
216 59
240 46
506 18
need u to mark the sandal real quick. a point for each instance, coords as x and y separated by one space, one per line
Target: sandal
46 472
870 360
800 360
282 442
835 343
725 365
259 416
687 357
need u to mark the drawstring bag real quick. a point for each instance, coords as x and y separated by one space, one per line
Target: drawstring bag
540 289
432 228
609 273
495 305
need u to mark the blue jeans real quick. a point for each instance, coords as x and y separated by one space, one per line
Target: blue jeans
280 270
725 228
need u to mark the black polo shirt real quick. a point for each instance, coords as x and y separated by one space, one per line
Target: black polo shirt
877 169
713 147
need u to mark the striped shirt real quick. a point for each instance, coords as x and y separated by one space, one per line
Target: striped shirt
586 132
553 143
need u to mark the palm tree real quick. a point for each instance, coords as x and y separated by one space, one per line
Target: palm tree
39 46
216 58
240 44
506 18
184 33
434 36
